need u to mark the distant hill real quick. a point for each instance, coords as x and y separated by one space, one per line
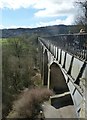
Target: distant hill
40 31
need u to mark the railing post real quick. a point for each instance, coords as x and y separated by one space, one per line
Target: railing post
48 77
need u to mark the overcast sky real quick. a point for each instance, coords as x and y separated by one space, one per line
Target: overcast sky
36 13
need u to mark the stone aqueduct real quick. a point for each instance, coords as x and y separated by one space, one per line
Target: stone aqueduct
64 69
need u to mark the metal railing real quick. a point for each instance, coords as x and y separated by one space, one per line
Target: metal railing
75 44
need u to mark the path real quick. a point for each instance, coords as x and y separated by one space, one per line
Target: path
64 112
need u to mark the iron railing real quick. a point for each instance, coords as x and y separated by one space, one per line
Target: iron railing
75 44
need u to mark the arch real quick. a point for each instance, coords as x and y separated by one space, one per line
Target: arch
58 84
45 67
57 79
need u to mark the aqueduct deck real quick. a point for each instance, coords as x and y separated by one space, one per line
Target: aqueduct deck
64 70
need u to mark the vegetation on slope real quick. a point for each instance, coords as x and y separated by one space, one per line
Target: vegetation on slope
19 66
30 103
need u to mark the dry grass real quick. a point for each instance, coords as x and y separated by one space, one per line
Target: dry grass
29 103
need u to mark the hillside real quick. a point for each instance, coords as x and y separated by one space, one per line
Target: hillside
40 31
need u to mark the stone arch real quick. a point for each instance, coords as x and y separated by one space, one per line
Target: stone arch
58 84
45 68
57 79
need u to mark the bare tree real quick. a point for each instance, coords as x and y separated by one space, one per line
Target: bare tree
81 18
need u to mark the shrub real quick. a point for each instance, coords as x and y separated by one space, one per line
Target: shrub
29 103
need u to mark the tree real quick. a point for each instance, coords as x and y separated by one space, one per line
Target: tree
81 18
29 103
20 57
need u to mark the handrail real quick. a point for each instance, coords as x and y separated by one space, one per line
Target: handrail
72 43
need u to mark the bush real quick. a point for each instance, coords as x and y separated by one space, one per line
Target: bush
29 103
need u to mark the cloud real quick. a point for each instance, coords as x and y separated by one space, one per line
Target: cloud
16 4
44 9
67 21
51 8
1 26
15 26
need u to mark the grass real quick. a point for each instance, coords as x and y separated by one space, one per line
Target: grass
3 41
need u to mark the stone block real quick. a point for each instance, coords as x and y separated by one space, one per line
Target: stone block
59 54
68 62
62 58
77 98
76 67
71 87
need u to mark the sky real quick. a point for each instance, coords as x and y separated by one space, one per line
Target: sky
36 13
